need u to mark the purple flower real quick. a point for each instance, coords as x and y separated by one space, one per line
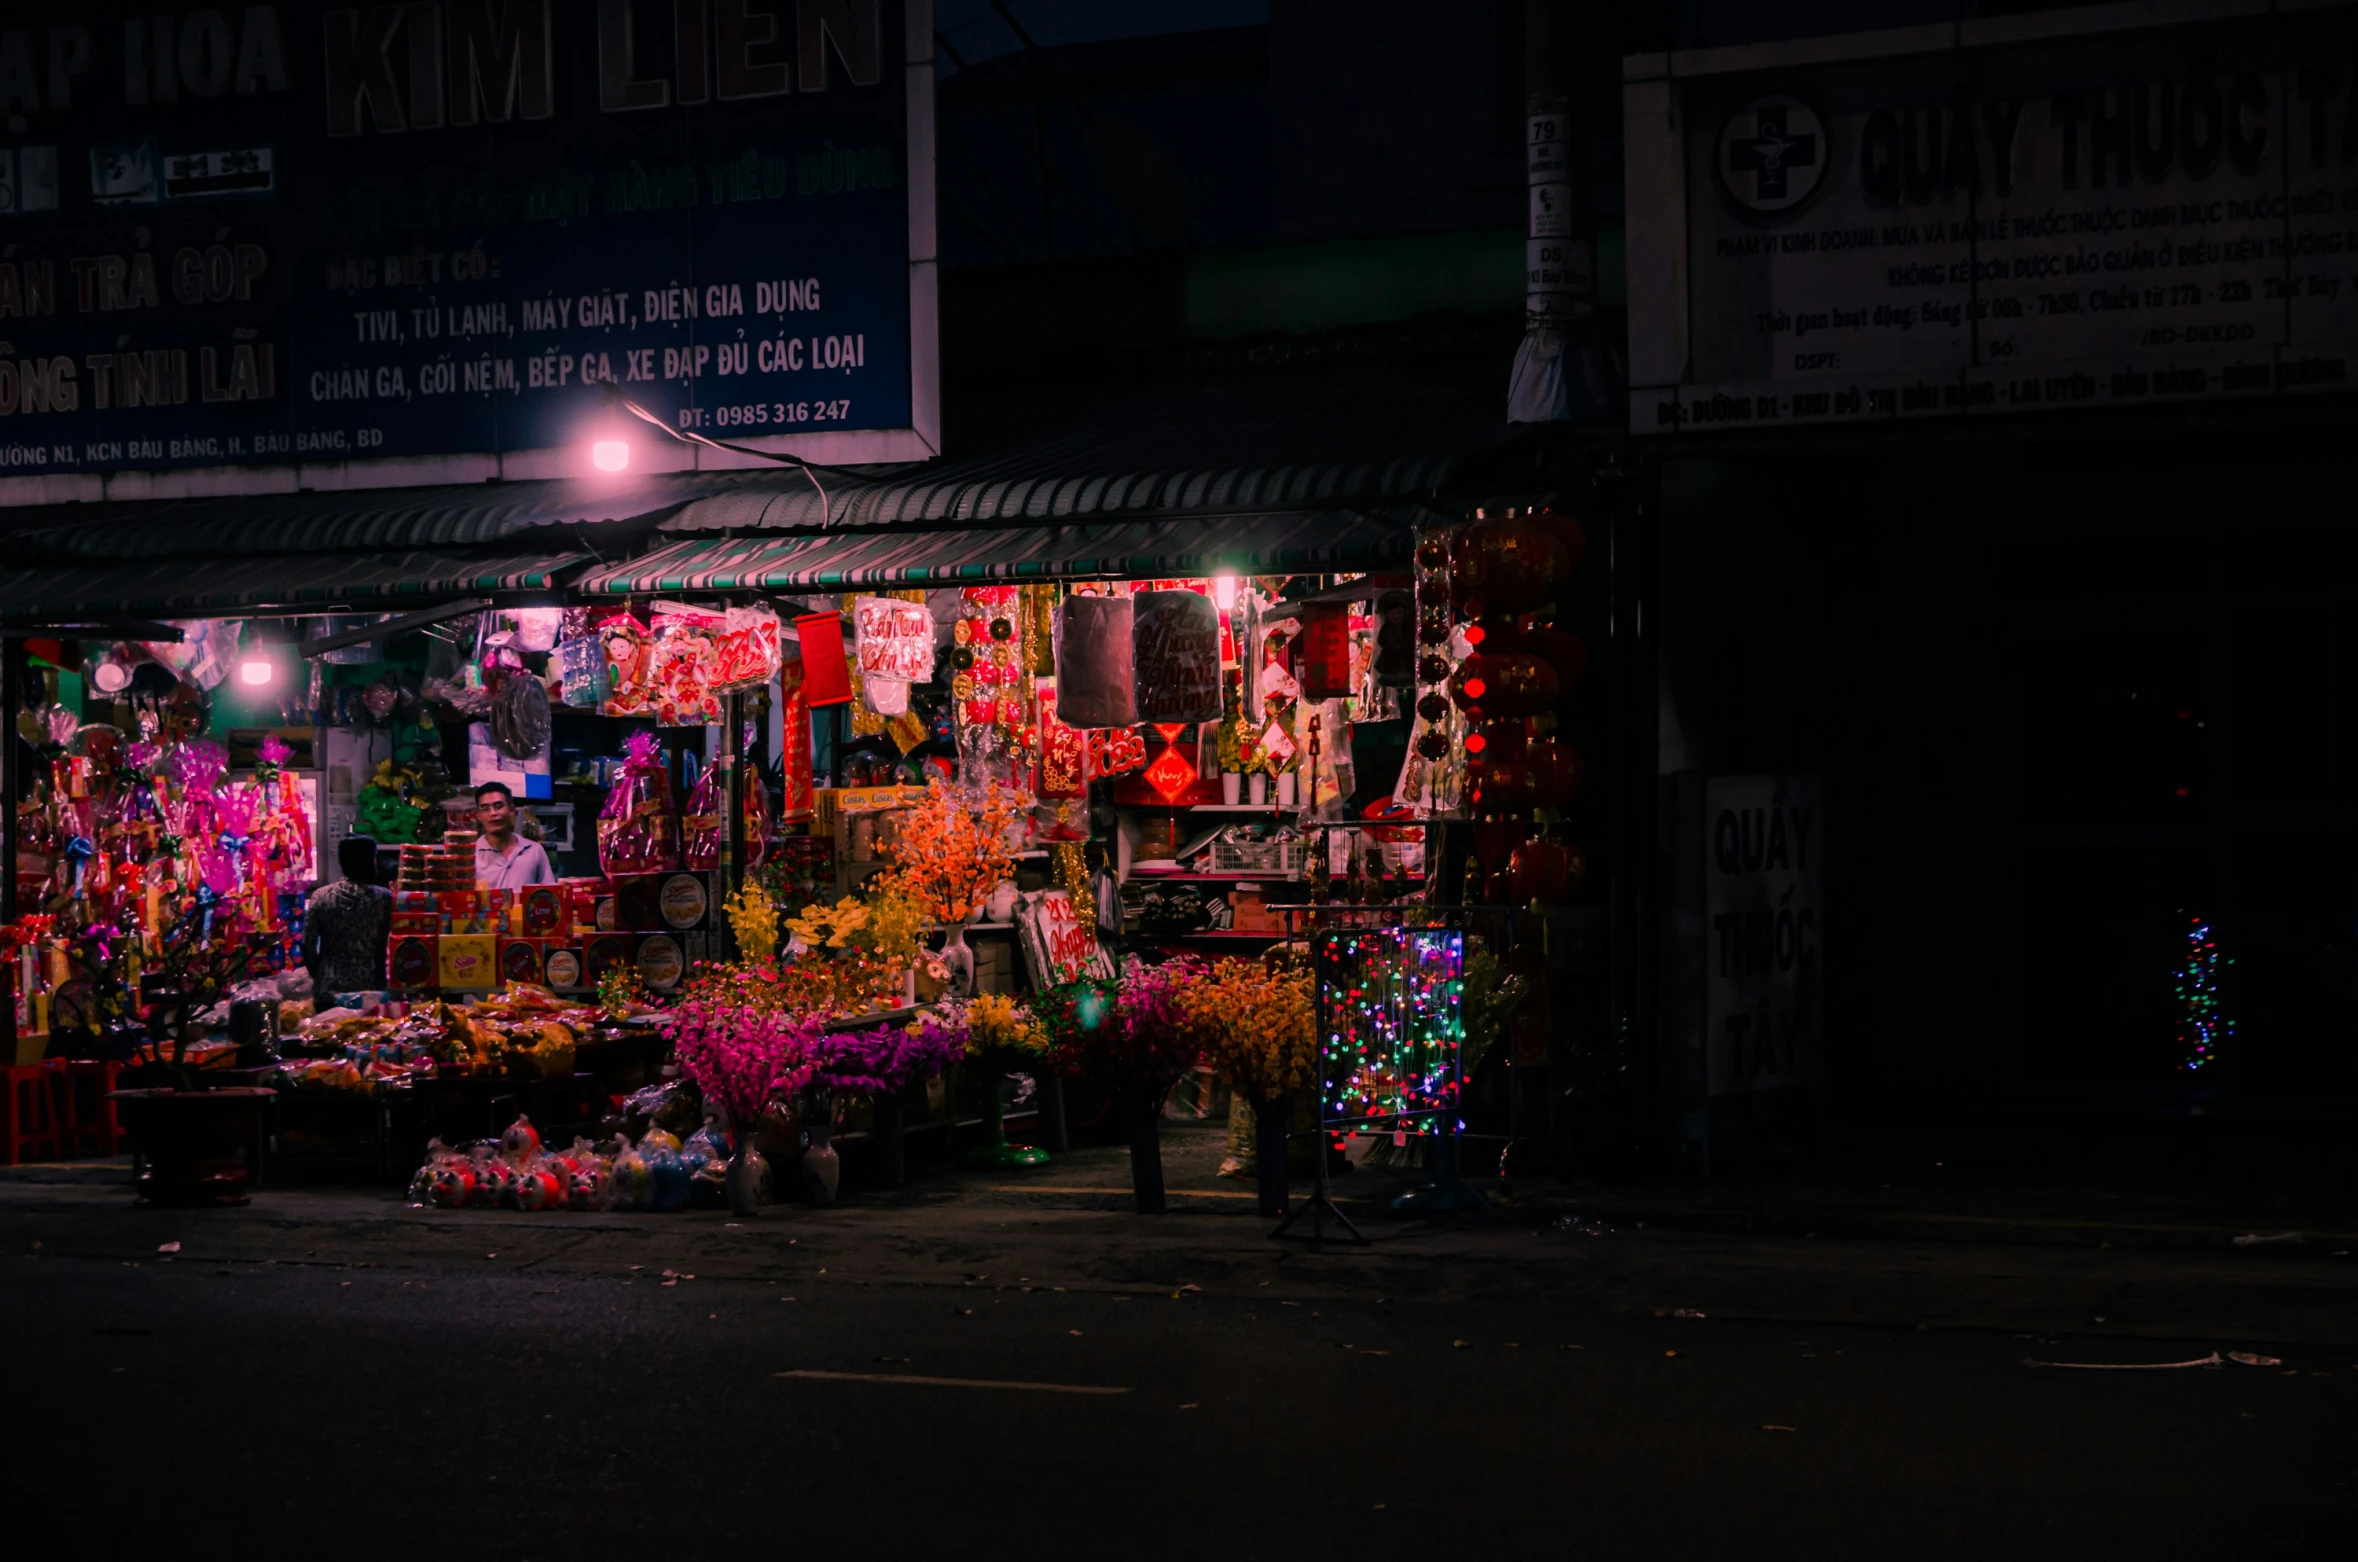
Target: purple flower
743 1058
883 1060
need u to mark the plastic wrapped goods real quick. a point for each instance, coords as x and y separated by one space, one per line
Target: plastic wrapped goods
637 830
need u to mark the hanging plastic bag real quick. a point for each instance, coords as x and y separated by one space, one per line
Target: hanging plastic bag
1094 662
630 666
637 830
581 672
1175 656
704 822
748 649
687 665
893 639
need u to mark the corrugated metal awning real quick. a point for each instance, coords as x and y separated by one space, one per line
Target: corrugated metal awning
1289 438
455 515
1288 542
260 583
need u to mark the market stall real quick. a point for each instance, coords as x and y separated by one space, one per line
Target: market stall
866 816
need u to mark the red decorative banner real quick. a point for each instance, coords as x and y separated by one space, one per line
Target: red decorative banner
1064 751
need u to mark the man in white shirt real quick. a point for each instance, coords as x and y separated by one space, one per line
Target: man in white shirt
504 859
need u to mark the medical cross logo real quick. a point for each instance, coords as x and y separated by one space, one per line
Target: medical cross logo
1772 154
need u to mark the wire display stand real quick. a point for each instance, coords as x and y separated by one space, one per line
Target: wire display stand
1391 1031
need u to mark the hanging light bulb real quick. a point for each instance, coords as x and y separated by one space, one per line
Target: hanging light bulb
1224 592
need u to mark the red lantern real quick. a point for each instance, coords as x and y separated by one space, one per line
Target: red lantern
1512 684
1566 531
1557 770
1506 566
1544 868
1506 786
1567 653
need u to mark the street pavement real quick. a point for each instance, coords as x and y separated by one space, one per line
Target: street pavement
988 1365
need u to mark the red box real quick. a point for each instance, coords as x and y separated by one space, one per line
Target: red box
413 963
545 911
523 960
417 922
638 902
602 953
581 897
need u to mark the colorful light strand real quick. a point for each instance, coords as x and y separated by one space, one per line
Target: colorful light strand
2203 1027
1391 1028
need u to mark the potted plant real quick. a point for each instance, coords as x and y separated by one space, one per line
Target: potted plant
1001 1035
1135 1037
194 1145
1259 1029
881 1062
948 858
743 1052
1232 742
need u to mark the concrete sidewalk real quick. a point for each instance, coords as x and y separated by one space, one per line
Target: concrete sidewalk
2043 1264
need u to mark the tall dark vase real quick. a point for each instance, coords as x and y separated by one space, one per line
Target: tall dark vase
1052 1120
890 1143
1270 1119
1146 1162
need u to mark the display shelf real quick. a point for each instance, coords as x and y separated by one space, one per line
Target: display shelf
1237 876
1219 933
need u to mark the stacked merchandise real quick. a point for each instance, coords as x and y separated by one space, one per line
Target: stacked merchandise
443 868
660 1172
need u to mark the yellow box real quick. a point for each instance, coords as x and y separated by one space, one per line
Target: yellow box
468 960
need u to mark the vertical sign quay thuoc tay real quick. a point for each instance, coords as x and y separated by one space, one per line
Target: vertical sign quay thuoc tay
1764 970
420 242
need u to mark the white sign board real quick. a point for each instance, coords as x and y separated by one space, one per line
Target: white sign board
2073 209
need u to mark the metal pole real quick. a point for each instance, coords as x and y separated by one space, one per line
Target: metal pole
733 756
12 786
12 777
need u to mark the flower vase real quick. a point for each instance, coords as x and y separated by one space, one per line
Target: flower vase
748 1178
1285 789
995 1152
1146 1163
1270 1120
891 1143
822 1167
1231 787
959 960
1002 902
1257 788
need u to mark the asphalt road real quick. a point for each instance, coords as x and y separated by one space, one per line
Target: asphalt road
189 1407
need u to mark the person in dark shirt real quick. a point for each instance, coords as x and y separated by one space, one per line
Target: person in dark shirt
347 924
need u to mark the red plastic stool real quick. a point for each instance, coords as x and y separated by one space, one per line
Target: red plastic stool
86 1119
28 1115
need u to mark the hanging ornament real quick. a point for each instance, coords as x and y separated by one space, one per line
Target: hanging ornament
1506 566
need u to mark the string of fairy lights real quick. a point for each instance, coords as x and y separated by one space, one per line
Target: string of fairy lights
1391 1009
2203 1025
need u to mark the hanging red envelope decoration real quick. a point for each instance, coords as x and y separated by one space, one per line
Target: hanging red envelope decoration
826 676
1326 650
1064 751
794 764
